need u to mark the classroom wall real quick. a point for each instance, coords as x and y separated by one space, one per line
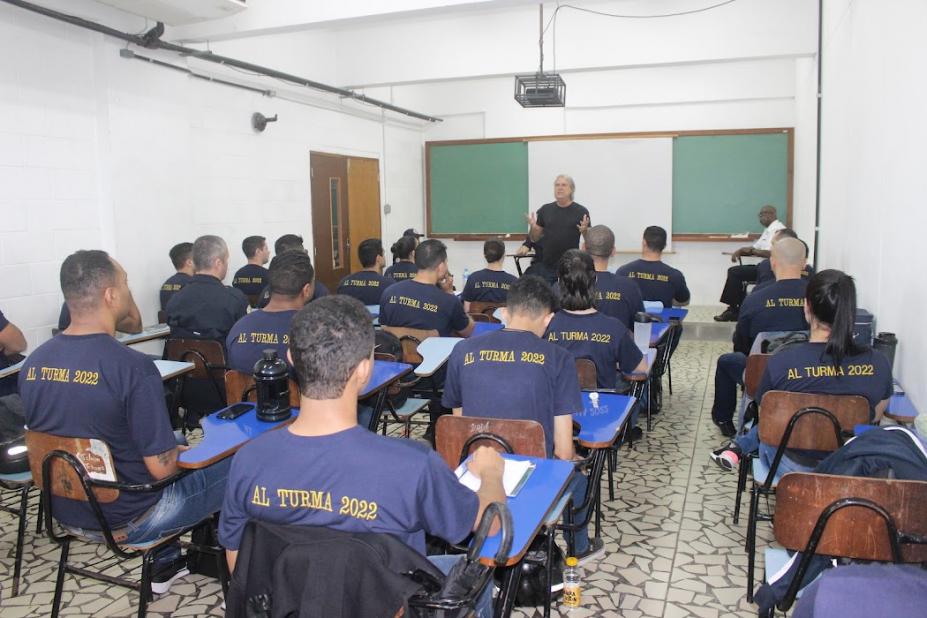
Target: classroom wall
101 152
873 180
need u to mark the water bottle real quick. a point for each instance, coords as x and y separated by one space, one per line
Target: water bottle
466 275
572 584
271 379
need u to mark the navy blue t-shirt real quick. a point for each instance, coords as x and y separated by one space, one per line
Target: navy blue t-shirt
251 279
513 374
657 281
400 271
600 338
805 368
418 305
170 287
258 331
365 285
92 386
618 297
765 275
353 480
488 286
780 306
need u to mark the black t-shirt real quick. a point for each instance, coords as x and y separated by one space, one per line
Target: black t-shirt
205 309
513 374
805 368
365 285
779 306
250 279
657 281
560 230
170 287
400 271
92 386
418 305
600 338
488 286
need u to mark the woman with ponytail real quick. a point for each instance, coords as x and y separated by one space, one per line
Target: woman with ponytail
830 363
403 259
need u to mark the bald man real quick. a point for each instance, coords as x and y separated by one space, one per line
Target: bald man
733 293
777 307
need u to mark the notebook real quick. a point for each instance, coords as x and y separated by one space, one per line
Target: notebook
514 476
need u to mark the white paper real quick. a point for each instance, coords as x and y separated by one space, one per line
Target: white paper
513 476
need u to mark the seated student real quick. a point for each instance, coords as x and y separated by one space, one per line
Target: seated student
252 277
205 308
291 278
764 273
12 344
417 303
403 267
446 285
777 307
292 242
84 383
181 256
332 349
831 362
490 285
618 296
657 281
514 374
367 285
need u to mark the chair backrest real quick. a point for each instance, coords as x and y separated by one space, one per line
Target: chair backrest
812 431
93 454
207 356
162 317
238 387
486 308
254 299
452 433
482 317
853 531
756 365
585 371
409 338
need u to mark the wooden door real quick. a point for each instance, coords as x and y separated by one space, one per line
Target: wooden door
364 205
330 218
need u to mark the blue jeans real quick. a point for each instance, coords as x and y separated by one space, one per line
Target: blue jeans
577 488
484 601
750 443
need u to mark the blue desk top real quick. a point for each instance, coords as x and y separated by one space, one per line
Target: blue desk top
599 426
671 313
12 369
384 372
651 357
434 352
481 328
374 310
222 438
531 506
901 405
657 331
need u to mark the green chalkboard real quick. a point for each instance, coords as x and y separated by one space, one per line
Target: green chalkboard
477 188
721 181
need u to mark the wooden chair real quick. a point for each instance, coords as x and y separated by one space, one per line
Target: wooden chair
482 317
68 467
409 338
486 309
253 300
240 387
162 317
586 373
457 436
851 517
803 421
756 365
203 389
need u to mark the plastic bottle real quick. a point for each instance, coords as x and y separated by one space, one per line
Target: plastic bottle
572 584
466 275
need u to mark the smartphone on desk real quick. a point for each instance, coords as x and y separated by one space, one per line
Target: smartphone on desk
234 411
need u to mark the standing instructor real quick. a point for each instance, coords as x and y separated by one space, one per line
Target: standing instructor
560 223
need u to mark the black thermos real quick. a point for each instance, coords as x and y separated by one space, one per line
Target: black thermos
271 378
886 344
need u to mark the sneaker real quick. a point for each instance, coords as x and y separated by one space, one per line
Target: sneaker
727 457
162 579
595 551
727 428
636 434
728 315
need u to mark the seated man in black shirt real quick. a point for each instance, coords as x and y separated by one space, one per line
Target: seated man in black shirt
656 280
367 285
205 308
182 258
402 487
779 306
84 383
252 277
490 285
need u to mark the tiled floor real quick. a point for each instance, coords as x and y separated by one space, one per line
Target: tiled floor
672 550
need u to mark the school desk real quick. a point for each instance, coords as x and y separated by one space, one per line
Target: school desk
221 438
640 382
434 352
12 369
481 328
900 407
172 369
384 374
155 331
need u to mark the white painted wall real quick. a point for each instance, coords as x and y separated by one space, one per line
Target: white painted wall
873 180
101 152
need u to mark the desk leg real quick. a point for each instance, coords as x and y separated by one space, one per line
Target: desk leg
507 592
378 409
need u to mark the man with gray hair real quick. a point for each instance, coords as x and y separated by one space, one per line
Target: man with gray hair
560 223
205 308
